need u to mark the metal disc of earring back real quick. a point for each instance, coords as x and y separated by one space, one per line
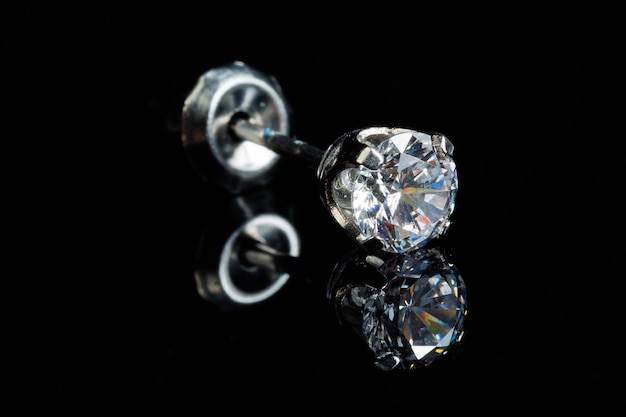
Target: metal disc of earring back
219 96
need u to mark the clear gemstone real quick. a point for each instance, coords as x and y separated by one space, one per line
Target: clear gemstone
407 201
417 316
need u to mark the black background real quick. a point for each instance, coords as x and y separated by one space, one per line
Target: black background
100 312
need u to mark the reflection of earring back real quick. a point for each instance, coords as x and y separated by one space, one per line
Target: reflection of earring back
250 264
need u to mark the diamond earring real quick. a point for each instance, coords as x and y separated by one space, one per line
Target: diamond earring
391 189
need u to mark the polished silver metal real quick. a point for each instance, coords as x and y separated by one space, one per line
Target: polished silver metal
220 96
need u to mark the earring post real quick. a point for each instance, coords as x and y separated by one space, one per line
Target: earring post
282 144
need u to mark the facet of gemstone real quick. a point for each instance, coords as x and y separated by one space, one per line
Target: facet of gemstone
407 200
417 317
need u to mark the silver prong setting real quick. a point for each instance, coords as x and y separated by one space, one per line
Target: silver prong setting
442 142
369 158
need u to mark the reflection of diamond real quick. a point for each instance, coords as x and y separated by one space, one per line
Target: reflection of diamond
407 201
417 316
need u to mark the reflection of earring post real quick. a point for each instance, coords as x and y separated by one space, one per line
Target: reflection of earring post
255 253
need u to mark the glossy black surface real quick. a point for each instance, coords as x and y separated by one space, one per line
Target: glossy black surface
100 311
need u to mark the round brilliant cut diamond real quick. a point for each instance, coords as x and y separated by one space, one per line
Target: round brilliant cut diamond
408 199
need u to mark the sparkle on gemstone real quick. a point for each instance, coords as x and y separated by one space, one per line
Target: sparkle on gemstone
407 201
417 316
